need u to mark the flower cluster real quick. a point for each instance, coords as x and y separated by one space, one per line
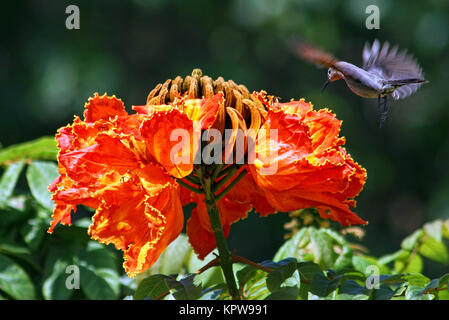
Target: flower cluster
122 165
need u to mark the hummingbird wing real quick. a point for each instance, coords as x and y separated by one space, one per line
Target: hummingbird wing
389 64
313 54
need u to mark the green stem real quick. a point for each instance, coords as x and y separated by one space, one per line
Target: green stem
223 251
217 171
230 186
226 170
221 183
193 179
188 186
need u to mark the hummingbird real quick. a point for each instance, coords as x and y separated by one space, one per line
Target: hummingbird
385 72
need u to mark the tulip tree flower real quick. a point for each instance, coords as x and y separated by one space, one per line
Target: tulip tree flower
138 170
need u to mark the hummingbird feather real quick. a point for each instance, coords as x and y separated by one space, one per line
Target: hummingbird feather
394 67
313 54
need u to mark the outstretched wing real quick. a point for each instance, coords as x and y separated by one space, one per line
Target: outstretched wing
313 54
390 64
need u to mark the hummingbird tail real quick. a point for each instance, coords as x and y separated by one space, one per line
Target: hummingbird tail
402 82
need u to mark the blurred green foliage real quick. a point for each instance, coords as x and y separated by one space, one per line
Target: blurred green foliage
125 48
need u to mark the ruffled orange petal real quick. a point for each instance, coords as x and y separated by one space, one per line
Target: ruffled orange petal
199 232
89 165
103 107
80 134
139 223
61 214
328 205
311 167
171 140
247 192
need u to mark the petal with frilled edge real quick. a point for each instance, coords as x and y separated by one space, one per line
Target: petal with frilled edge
172 141
311 169
61 214
103 107
327 204
88 165
140 224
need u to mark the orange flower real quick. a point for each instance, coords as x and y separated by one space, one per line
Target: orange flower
312 170
116 163
123 166
312 167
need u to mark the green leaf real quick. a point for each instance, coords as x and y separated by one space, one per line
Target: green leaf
43 148
99 284
33 231
363 264
345 296
410 263
335 235
434 250
445 229
308 270
391 257
39 176
277 278
98 272
252 282
434 229
21 252
413 279
55 276
244 274
444 279
322 245
443 295
210 277
285 293
412 240
152 287
384 292
433 284
417 293
351 287
9 179
14 280
174 257
13 212
291 246
344 260
188 288
322 286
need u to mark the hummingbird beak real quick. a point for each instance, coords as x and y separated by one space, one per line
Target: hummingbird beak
325 85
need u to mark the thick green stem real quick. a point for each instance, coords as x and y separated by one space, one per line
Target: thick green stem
223 251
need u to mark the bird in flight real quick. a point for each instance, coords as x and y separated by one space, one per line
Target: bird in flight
385 72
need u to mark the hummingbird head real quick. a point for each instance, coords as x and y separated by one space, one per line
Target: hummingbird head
332 75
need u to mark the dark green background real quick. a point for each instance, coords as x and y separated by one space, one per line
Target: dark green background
126 47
